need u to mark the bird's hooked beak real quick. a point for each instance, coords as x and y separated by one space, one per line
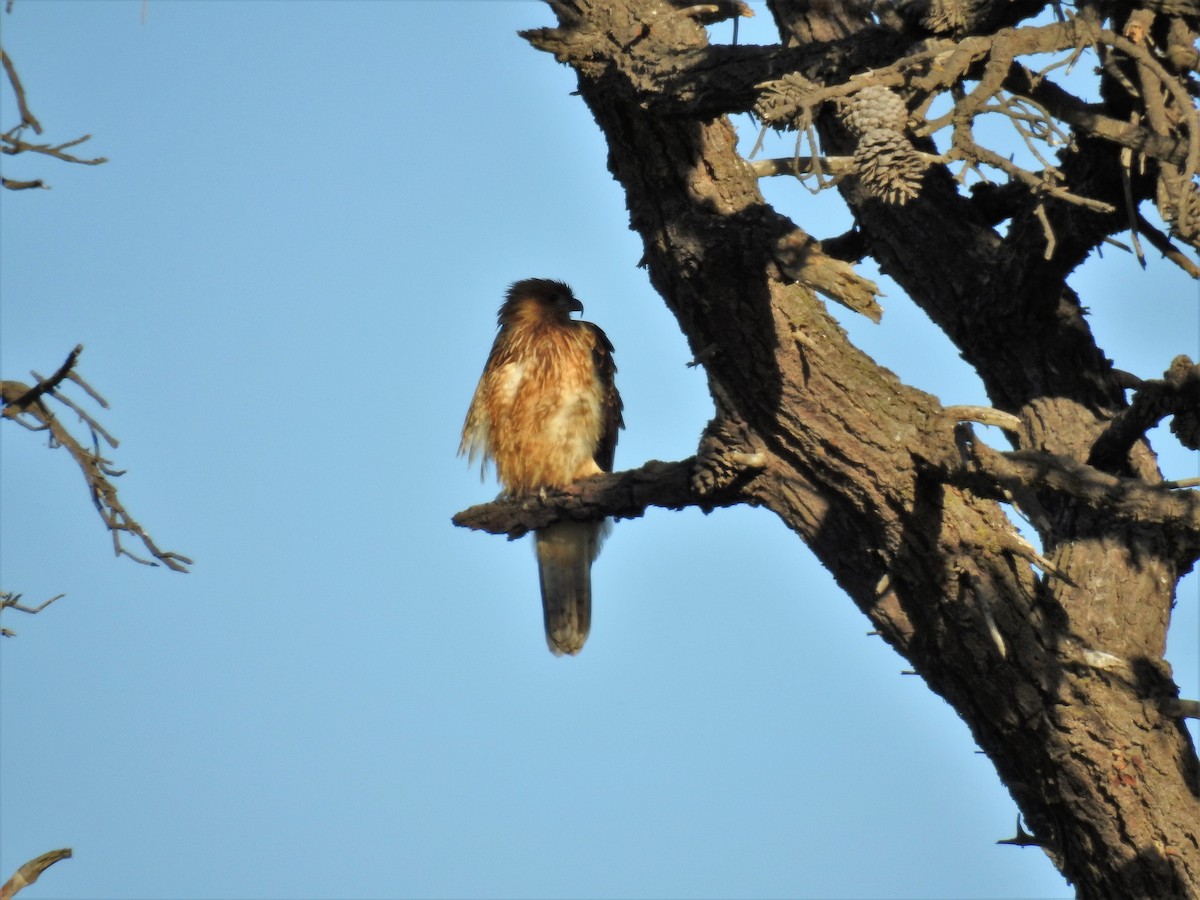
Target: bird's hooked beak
575 306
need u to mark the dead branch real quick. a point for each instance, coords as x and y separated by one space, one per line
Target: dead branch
985 415
1163 245
27 117
49 384
1023 838
28 407
23 185
31 871
12 143
802 259
13 601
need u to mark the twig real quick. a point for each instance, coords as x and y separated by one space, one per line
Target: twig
31 871
27 117
1039 213
14 145
13 601
1163 245
1022 839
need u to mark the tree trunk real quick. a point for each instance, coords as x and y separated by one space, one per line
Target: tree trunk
1054 658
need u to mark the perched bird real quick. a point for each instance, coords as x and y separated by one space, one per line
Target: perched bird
546 413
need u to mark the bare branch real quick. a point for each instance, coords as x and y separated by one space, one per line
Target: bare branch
985 415
23 185
11 145
1023 838
31 871
48 385
28 407
802 259
27 117
803 165
13 601
1163 245
11 142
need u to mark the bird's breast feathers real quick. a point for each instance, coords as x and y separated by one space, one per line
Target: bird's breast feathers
538 412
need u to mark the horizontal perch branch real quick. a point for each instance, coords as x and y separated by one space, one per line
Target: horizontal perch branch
623 495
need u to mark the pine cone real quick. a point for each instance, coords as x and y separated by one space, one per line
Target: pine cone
941 16
784 101
888 166
875 107
1188 224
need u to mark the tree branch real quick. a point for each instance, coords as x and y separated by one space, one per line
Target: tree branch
48 385
31 871
27 407
27 117
13 601
1178 394
1001 476
11 142
622 495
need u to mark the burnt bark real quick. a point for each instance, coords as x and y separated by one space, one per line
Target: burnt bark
1053 657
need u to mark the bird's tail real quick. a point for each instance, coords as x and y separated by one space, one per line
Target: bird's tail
565 552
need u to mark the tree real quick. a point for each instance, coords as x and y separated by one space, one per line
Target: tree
1053 655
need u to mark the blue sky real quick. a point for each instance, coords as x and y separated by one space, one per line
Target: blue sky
285 280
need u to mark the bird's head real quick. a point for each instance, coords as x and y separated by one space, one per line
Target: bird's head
539 300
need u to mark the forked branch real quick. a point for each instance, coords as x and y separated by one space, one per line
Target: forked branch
13 601
12 142
29 406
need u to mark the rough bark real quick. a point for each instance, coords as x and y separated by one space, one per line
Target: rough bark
1053 658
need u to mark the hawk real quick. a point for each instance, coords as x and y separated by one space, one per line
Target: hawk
546 413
